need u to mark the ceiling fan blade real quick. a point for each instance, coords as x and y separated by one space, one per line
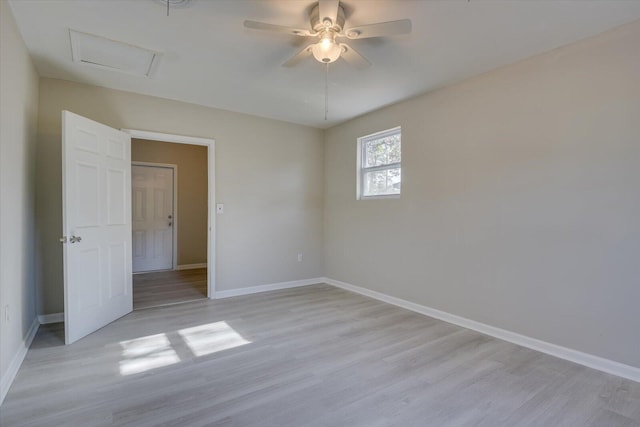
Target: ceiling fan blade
328 9
353 57
295 59
391 28
263 26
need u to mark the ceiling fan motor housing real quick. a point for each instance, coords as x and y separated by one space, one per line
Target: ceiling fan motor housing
318 25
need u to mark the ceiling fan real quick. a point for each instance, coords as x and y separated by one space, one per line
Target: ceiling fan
327 24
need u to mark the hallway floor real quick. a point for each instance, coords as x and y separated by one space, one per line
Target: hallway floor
168 287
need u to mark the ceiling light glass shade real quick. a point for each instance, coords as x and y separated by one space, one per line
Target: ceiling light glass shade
327 50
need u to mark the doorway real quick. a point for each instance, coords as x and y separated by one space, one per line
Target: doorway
171 221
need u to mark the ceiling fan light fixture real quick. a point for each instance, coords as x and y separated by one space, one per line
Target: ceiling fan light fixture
327 20
327 50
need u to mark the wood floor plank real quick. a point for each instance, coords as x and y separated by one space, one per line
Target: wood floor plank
311 356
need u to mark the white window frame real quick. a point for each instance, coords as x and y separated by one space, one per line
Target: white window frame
361 169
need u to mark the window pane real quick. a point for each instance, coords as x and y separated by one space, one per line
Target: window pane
382 151
375 154
382 182
393 149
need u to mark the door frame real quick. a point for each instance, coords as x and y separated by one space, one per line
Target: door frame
211 190
174 183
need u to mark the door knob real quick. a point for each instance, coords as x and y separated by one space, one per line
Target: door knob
75 239
170 217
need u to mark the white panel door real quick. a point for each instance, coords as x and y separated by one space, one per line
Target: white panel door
153 217
96 191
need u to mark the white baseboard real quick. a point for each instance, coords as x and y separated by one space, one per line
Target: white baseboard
586 359
270 287
191 266
45 319
16 362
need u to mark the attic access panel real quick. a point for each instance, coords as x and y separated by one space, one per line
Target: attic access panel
112 55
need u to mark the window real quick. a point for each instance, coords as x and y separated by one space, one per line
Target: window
379 165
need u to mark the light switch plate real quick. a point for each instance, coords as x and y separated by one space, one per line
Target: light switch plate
220 208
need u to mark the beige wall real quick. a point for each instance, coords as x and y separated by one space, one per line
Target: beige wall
520 203
268 175
191 161
18 119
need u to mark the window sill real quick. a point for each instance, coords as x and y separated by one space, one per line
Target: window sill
388 196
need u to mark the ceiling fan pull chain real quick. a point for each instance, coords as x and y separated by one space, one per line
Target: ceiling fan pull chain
326 91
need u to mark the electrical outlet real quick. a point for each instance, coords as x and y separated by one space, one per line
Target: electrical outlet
299 257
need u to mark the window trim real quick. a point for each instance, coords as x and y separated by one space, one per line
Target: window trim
361 170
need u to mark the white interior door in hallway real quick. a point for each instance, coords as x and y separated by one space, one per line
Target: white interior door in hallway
96 222
153 217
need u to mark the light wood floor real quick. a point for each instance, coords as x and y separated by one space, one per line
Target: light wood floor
168 287
311 356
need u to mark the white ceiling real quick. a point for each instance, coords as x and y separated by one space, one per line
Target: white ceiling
209 58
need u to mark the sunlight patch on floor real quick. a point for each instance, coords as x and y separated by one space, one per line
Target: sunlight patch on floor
211 338
155 351
145 353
